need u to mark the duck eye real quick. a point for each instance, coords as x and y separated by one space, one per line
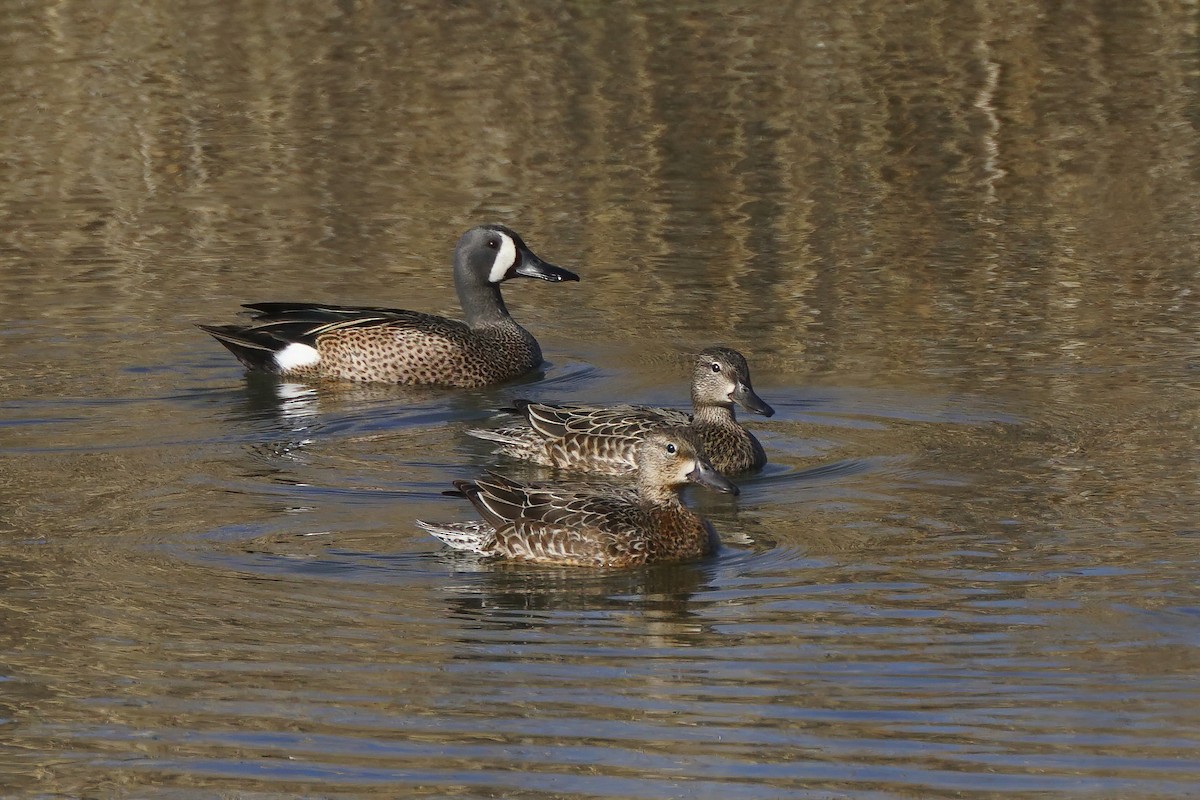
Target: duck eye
493 244
672 449
716 367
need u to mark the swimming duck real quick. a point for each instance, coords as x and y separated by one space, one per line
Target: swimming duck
604 439
358 343
597 527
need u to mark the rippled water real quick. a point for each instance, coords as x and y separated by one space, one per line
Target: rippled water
958 243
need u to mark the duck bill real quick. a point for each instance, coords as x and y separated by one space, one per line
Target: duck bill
745 397
531 266
705 475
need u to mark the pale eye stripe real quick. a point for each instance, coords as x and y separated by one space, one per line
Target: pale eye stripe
504 259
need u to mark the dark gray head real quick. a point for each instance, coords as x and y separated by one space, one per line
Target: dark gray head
671 456
721 377
488 255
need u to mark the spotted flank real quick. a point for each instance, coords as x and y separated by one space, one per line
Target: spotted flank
596 527
364 343
604 439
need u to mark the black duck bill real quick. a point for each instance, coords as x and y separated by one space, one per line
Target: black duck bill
530 266
706 476
745 397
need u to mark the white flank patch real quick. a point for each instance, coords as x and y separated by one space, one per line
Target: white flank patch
504 259
296 356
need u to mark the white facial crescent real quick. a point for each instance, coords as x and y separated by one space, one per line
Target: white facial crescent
505 258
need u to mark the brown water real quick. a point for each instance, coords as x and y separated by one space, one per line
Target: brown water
958 242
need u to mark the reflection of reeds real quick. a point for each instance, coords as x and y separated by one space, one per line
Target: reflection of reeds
856 185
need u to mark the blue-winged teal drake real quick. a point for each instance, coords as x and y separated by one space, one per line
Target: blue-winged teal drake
308 340
604 439
603 527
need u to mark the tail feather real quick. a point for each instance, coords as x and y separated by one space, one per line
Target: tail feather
518 437
474 536
520 442
255 349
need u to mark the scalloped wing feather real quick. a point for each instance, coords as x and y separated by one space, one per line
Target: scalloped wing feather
555 421
585 533
614 455
498 499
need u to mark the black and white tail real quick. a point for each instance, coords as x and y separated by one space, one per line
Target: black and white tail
474 536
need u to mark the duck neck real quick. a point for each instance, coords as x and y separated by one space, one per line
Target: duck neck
652 493
713 414
482 304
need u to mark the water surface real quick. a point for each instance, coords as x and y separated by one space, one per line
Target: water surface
956 241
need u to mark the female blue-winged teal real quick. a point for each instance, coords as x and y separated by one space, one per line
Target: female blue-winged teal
605 439
603 527
308 340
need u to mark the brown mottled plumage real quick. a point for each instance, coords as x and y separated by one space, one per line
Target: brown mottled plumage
602 527
604 439
356 343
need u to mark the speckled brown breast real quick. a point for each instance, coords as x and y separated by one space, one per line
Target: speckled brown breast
448 356
730 447
676 534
